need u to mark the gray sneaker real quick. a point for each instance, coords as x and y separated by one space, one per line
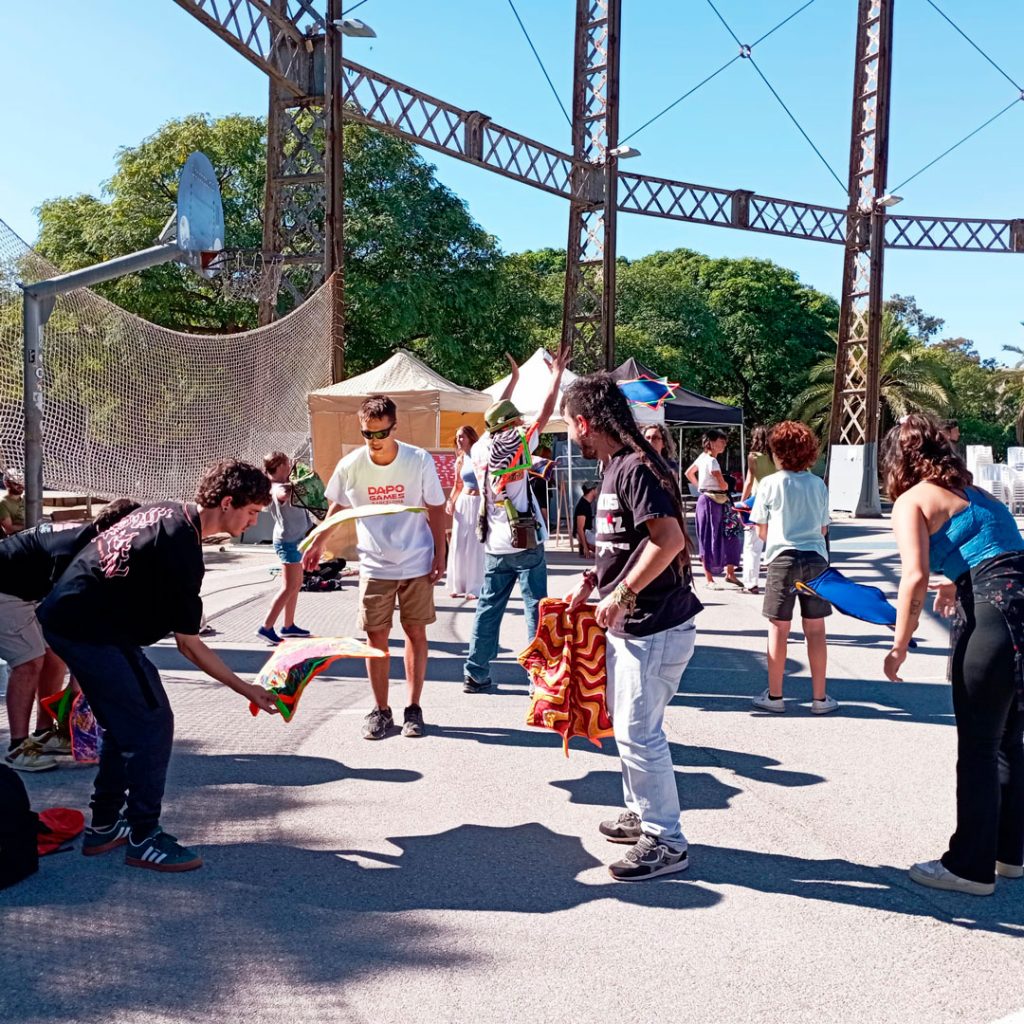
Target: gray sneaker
412 724
377 724
624 829
648 859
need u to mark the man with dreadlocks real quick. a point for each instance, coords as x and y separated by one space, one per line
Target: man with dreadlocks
647 606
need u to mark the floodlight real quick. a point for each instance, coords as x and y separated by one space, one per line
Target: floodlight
355 27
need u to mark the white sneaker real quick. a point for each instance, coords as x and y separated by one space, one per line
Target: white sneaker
935 876
27 756
53 743
823 707
765 703
1009 870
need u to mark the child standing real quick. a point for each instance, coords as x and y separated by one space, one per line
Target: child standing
291 524
791 513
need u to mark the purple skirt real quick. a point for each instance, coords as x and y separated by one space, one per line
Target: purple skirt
716 550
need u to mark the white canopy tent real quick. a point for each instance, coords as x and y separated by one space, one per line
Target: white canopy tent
534 380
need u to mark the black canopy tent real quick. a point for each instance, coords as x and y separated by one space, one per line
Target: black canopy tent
687 408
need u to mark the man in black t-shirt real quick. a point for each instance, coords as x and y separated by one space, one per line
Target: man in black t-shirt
130 587
583 520
31 562
647 608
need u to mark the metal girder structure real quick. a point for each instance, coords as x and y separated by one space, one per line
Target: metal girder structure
588 310
468 135
853 434
287 39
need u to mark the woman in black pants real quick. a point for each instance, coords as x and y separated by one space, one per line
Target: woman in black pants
944 525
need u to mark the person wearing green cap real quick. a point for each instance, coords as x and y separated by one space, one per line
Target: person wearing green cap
511 523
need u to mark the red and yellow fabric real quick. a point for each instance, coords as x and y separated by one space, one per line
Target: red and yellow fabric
566 664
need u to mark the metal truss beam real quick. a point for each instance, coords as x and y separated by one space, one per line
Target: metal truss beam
278 37
468 135
588 312
853 433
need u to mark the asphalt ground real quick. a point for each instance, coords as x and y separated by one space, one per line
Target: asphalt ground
461 877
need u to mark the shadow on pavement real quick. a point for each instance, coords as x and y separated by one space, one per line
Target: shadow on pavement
885 888
741 763
731 687
277 770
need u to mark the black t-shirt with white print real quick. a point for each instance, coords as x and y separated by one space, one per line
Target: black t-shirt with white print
630 496
134 583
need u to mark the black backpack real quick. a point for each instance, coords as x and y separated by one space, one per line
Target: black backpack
19 826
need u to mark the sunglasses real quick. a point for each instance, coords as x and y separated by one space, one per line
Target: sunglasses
377 435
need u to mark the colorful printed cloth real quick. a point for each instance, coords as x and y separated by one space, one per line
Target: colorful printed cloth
86 732
566 664
296 663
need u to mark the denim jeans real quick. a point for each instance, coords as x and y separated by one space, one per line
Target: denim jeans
643 676
124 691
500 575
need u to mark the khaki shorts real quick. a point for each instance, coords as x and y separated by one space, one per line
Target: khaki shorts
377 602
21 636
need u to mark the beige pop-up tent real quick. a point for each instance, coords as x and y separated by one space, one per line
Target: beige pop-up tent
430 409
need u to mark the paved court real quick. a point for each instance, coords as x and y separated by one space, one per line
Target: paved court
461 878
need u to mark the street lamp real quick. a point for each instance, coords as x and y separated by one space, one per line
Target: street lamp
624 152
354 27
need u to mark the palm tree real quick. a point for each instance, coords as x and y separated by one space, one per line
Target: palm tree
913 379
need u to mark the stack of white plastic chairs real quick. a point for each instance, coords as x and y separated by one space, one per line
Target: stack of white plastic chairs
978 455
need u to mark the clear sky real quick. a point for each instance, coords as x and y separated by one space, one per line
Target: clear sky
82 79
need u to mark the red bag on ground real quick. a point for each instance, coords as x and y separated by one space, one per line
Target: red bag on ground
58 826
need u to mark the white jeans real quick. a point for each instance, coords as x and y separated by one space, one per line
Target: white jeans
643 676
753 547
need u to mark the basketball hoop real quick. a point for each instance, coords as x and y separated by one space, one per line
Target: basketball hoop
246 275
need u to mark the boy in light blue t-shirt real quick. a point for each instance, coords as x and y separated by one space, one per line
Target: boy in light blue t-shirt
791 516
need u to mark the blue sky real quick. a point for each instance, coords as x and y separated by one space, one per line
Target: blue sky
83 79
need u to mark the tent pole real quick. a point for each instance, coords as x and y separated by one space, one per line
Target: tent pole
570 503
743 450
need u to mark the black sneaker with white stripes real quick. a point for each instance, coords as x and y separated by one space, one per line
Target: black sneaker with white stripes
161 852
647 859
101 840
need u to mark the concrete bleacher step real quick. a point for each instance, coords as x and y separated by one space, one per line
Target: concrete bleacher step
66 499
70 513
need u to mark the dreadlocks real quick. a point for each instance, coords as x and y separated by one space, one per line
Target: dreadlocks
597 398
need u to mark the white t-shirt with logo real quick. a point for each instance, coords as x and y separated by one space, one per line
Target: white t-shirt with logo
391 547
517 489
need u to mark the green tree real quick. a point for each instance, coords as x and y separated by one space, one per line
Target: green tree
420 273
912 377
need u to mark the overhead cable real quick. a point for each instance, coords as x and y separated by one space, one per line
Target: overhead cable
714 74
551 84
946 152
958 29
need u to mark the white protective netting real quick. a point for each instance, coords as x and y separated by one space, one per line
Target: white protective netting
138 410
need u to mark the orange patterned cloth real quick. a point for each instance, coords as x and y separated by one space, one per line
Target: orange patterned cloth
566 663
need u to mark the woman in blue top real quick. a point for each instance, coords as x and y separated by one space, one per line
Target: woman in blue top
944 525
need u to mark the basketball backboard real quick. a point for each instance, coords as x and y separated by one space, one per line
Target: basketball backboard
200 215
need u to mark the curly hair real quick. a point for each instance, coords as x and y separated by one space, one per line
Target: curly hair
597 398
666 439
377 407
793 445
243 483
917 449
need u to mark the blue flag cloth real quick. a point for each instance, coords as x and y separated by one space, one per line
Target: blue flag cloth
855 599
